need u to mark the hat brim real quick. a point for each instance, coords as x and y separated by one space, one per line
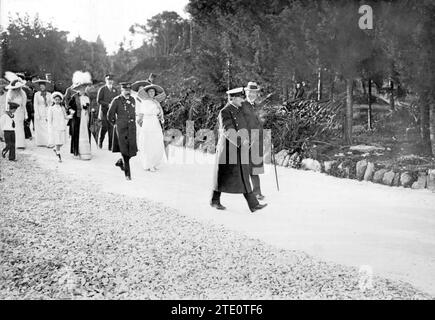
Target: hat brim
135 86
57 94
250 89
157 88
41 82
85 84
17 86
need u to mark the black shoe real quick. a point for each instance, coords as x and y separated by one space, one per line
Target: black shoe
120 164
218 206
260 197
13 160
100 146
128 177
258 207
4 154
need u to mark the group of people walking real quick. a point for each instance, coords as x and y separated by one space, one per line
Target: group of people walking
118 113
132 118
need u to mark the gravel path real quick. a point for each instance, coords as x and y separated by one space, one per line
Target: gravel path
63 239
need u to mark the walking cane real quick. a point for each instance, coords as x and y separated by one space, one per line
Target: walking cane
274 165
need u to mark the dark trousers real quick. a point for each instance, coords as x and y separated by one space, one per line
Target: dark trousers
10 144
106 128
250 198
256 189
126 165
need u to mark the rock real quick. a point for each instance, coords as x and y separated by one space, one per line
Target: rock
421 181
295 160
365 148
286 161
370 170
311 164
388 178
344 170
361 167
328 165
406 179
379 175
396 180
280 156
431 180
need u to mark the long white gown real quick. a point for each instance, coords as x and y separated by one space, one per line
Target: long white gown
42 130
84 142
19 96
150 136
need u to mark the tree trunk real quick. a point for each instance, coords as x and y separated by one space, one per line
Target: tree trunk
432 126
331 89
319 84
349 111
228 73
424 121
392 95
285 90
369 109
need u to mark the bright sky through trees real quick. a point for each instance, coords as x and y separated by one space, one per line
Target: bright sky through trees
89 18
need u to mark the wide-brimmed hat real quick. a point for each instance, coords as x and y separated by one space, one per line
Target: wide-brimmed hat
141 83
157 88
15 84
252 86
41 81
57 94
81 79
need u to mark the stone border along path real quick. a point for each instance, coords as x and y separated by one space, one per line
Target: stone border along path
365 171
63 239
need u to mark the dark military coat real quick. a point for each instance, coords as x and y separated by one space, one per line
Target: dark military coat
232 160
256 134
104 98
122 115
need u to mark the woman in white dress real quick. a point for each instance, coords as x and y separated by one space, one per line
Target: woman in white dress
16 94
150 117
41 103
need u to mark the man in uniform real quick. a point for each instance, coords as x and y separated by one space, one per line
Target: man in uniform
104 98
251 109
122 115
232 154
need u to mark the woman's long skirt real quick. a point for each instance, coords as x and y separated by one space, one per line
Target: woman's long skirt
41 133
151 146
80 142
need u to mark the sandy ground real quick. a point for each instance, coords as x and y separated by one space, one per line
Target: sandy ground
392 230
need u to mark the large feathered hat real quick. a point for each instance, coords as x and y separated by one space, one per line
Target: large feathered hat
15 82
81 79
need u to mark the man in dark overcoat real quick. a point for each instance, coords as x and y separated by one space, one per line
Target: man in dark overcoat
251 112
104 97
232 154
122 115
